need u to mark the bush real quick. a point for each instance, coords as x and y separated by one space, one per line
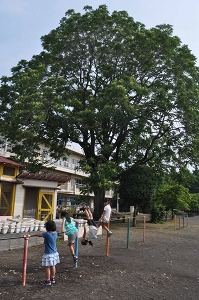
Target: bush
158 213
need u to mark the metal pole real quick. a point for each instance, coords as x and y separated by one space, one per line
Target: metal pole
144 229
107 240
128 232
174 220
25 256
183 221
179 221
76 244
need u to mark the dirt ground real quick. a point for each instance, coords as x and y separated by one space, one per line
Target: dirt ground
165 266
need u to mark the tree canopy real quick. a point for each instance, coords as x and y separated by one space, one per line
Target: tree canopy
137 186
124 93
174 197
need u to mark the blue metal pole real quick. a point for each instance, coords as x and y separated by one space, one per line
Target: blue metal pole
76 244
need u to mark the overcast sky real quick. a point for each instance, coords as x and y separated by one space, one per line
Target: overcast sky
23 22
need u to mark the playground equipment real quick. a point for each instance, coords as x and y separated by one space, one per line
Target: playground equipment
25 256
128 230
76 244
107 240
179 221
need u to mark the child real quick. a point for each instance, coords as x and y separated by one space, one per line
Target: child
69 228
51 256
105 218
92 232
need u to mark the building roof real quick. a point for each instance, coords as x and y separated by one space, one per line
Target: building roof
37 176
10 162
47 176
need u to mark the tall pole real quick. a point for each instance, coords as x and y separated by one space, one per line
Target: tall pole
174 220
128 232
144 229
76 244
107 240
25 256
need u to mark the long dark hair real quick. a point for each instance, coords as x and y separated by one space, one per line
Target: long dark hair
66 215
85 242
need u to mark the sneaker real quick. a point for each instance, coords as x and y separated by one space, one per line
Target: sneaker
52 280
110 233
75 258
46 282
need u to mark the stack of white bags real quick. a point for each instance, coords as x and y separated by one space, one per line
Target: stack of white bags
20 225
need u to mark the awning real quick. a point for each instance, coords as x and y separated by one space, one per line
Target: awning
44 176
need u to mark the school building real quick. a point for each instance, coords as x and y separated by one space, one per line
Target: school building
39 195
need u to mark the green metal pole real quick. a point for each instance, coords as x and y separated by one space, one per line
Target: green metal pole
128 232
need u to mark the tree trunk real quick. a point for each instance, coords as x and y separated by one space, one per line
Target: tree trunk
98 204
172 214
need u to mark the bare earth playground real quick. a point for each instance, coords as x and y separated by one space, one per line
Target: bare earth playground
165 266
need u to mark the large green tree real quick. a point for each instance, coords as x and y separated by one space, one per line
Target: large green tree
194 184
174 197
137 186
124 93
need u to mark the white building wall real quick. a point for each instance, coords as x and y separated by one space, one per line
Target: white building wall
55 204
19 200
40 183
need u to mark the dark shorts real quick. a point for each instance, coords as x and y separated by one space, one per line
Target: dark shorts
91 222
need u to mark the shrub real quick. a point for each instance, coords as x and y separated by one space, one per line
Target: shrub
158 213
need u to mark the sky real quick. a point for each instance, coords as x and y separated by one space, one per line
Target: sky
23 22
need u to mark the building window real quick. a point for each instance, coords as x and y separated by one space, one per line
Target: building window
8 171
65 201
